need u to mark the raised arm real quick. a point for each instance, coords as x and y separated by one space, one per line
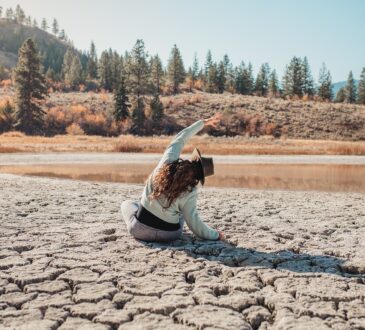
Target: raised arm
173 151
194 222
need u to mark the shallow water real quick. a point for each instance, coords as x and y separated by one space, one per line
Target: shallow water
321 177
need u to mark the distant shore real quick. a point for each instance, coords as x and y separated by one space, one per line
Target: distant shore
14 142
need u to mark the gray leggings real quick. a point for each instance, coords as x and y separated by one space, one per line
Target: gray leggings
143 232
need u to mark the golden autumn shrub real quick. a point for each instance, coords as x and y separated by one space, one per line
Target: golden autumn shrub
74 129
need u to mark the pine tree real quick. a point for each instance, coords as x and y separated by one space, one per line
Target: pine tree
229 74
121 102
273 84
1 11
138 69
19 14
9 14
341 95
308 83
221 77
72 68
44 24
350 89
138 115
30 89
208 63
361 87
325 84
28 21
105 71
175 69
92 62
35 23
156 109
116 68
157 73
194 70
262 80
55 28
62 35
293 78
211 84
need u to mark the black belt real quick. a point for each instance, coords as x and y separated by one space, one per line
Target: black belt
149 219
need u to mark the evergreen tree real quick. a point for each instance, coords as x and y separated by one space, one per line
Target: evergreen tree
208 63
1 11
308 83
211 83
35 23
361 87
62 35
175 69
221 77
44 24
92 62
156 74
341 95
273 84
244 80
262 80
156 109
121 102
138 70
350 89
72 68
28 21
105 71
30 89
19 14
138 115
116 68
293 78
55 28
9 14
325 84
229 74
194 70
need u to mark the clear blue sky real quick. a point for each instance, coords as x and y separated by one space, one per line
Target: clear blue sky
273 31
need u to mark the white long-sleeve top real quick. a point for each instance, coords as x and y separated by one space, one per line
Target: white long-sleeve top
185 204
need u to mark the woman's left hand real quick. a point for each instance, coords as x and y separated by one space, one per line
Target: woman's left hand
213 121
221 235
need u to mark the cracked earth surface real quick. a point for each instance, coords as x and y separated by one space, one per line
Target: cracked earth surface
291 260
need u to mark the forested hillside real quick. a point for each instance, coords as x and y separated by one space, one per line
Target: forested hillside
134 86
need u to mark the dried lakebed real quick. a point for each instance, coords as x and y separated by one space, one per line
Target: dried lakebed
292 260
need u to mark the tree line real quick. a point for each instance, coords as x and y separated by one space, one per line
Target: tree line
85 68
18 15
31 89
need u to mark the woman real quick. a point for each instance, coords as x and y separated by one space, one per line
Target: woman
169 196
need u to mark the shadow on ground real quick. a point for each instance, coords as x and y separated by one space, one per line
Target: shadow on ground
233 256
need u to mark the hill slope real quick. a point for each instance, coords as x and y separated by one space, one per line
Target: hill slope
338 85
12 36
245 115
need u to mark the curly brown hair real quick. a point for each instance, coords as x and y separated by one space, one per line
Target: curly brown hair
173 179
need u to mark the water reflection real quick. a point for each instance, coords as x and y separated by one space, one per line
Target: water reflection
255 176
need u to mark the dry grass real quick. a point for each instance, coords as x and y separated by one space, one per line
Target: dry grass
209 145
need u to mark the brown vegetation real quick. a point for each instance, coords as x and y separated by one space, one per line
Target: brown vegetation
239 145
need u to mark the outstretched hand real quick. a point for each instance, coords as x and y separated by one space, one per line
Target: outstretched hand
221 235
213 121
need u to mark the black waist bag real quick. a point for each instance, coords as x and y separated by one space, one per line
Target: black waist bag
149 219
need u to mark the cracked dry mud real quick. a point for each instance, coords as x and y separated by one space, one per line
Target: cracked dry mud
292 260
